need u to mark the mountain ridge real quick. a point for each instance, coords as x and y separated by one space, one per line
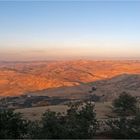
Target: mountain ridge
108 88
20 78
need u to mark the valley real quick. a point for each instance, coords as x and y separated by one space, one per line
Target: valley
18 78
48 83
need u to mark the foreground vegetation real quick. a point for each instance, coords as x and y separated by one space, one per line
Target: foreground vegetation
78 122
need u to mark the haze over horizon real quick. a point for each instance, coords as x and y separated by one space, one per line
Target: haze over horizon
69 30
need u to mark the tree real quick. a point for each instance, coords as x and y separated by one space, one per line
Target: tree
127 122
12 125
125 105
53 125
33 130
79 122
125 128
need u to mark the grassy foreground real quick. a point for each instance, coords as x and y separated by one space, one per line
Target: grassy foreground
35 113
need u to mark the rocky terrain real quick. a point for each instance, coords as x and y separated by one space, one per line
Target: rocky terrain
59 77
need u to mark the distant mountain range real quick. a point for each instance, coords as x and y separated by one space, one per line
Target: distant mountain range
70 78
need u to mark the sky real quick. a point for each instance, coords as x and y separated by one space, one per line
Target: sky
33 30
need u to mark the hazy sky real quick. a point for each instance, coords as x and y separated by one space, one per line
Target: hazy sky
60 29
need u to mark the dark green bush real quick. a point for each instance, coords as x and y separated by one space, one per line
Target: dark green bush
125 105
79 122
126 123
12 125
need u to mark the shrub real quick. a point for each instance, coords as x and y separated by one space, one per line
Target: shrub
127 122
79 122
12 125
125 105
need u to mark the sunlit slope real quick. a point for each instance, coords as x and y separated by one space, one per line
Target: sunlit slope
22 77
107 89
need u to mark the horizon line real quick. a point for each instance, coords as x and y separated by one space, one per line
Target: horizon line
58 60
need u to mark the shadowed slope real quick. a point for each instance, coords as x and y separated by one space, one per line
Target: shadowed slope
18 78
108 89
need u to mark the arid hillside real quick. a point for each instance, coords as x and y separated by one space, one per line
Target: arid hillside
107 89
18 78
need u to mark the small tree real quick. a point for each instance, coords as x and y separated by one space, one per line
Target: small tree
34 130
12 125
79 122
125 105
53 125
123 126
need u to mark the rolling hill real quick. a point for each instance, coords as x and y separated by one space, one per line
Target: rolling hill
17 78
107 89
99 91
